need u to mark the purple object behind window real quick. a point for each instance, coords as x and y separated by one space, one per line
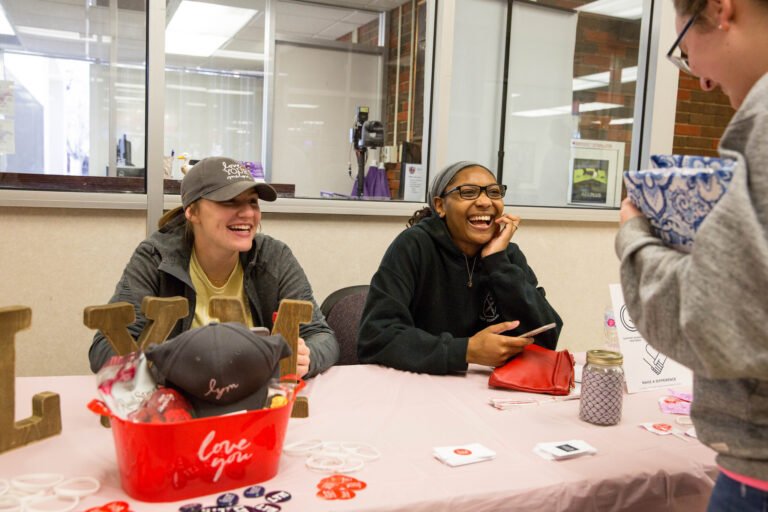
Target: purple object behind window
375 184
256 169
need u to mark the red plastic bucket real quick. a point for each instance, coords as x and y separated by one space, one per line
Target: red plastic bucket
177 461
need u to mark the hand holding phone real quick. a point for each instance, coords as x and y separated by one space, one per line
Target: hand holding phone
543 328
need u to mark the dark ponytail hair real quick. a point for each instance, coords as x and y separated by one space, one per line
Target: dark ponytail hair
171 215
418 216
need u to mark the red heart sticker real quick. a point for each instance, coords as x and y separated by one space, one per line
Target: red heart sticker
339 487
326 494
342 493
356 486
327 486
663 427
339 479
112 506
462 451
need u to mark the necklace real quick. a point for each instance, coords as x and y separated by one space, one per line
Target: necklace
470 272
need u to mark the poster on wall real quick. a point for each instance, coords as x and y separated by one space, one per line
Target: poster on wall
7 137
645 368
415 183
6 98
594 174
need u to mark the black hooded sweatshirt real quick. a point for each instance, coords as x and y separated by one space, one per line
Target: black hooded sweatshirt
420 311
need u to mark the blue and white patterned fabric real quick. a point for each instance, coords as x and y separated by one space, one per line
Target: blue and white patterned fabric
692 161
676 200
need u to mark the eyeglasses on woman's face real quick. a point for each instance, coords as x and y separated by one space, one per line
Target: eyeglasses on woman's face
681 61
493 191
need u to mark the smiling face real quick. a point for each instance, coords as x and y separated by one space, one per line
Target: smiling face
225 228
702 46
721 49
470 221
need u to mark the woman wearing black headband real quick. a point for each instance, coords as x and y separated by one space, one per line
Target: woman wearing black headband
452 289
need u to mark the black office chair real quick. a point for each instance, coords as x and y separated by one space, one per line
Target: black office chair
343 309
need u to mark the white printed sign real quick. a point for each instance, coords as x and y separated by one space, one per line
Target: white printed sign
7 137
415 186
6 98
645 367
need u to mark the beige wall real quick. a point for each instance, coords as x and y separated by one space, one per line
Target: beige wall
58 261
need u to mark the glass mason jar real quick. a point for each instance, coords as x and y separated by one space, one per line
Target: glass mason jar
602 388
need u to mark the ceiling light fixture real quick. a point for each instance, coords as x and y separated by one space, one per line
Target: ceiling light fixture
199 28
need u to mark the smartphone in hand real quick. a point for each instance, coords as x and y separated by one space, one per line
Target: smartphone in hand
543 328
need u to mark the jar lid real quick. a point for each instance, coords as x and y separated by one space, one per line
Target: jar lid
604 357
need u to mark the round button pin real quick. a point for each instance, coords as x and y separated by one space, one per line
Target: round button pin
277 496
254 491
229 499
264 507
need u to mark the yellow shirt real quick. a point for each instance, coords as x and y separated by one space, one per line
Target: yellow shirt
206 290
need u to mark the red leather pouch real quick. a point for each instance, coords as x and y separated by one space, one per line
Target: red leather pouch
536 370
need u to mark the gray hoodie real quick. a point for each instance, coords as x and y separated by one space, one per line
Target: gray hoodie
709 309
159 267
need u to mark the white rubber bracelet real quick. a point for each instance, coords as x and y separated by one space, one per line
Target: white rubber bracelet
4 486
18 493
352 464
48 504
10 504
364 451
302 447
328 463
80 487
332 447
34 482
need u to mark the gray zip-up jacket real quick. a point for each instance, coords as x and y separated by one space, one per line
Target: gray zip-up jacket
709 309
159 267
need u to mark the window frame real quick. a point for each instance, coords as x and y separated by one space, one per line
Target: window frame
436 98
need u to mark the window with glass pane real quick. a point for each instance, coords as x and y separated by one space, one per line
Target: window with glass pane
332 63
72 94
214 84
565 120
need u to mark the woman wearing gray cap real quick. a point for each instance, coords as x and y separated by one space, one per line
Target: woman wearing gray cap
452 289
210 247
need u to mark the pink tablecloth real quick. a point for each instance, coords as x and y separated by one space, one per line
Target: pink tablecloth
405 415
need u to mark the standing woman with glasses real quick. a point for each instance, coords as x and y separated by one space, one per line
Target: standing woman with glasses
708 309
452 289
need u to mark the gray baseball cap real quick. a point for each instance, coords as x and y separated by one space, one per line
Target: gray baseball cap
220 368
220 178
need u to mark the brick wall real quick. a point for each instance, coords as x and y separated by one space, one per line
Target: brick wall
403 119
700 119
605 44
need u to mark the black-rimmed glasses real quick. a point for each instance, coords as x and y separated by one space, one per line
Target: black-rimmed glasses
681 61
494 191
